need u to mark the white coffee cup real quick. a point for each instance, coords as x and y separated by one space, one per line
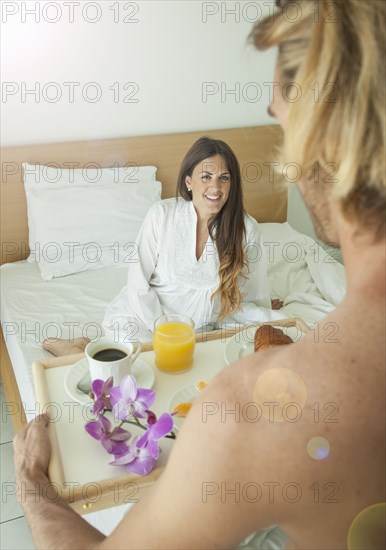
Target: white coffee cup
102 366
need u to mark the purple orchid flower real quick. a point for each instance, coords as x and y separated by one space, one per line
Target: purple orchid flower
137 461
112 441
128 400
157 431
151 418
101 391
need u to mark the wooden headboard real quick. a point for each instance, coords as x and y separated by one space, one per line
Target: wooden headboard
265 195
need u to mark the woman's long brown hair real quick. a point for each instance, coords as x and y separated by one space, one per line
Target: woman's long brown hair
227 228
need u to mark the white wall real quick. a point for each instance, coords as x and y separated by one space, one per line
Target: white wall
173 49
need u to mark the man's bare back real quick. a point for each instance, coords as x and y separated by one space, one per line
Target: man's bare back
260 472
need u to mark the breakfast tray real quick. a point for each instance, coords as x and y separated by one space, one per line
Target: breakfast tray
100 487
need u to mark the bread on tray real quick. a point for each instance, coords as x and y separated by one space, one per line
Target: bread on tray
268 336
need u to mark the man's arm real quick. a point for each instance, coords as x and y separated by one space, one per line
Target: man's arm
53 523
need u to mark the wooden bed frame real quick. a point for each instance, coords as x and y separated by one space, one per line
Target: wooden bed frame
265 195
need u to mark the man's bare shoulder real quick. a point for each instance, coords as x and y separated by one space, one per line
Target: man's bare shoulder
291 436
312 415
332 381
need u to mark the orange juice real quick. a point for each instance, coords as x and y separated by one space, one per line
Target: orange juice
173 345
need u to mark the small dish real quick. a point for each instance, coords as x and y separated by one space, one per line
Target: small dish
242 343
186 394
141 370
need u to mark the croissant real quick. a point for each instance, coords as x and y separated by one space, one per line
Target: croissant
268 336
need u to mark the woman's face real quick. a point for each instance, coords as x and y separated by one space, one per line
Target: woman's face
210 184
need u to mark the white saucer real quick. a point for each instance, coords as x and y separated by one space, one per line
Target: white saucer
234 350
184 395
141 370
242 343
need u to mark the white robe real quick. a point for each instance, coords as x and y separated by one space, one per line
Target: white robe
165 276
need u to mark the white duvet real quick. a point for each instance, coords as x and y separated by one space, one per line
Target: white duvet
309 281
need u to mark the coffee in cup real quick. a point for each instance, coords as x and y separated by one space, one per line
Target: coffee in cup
107 358
110 354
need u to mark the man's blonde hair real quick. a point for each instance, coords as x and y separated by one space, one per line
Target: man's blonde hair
332 53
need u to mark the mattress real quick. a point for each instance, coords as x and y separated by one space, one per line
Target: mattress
68 307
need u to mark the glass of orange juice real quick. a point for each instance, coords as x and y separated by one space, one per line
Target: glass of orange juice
174 341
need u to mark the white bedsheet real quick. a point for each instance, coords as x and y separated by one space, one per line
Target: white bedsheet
33 309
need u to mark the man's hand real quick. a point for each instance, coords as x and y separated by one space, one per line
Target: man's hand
276 304
32 450
52 522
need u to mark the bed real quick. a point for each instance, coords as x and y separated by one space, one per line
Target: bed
36 304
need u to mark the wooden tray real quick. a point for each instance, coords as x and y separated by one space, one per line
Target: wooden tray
106 492
84 497
120 489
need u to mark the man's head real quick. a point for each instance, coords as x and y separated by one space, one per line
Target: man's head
330 102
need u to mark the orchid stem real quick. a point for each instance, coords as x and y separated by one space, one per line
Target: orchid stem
134 424
172 435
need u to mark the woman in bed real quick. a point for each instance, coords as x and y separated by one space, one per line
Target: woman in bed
199 254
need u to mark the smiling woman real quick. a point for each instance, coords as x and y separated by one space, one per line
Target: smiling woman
194 252
198 254
210 177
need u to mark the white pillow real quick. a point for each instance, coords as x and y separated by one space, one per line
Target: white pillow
276 232
328 274
80 228
37 177
297 263
285 253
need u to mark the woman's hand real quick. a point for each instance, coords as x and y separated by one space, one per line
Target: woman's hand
276 303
